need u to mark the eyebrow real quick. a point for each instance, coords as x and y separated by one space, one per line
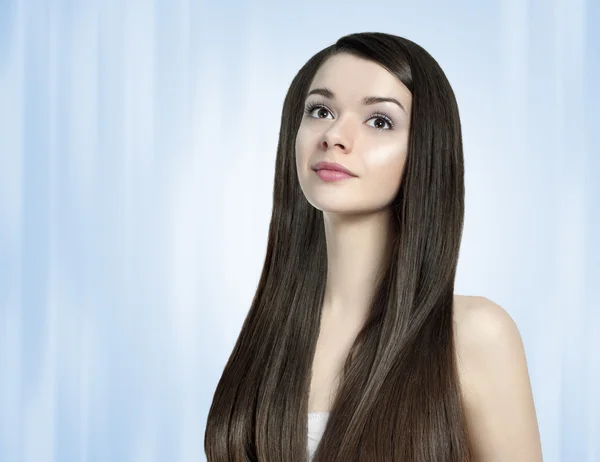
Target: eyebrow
368 100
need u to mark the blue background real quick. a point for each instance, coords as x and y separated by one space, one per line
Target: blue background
137 149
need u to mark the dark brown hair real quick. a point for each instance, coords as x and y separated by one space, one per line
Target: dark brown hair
399 398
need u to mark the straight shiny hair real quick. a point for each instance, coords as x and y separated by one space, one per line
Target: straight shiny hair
399 397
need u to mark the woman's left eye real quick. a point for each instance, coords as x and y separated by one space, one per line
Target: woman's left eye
385 119
377 116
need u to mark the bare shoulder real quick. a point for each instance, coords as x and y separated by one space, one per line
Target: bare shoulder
478 319
479 323
495 382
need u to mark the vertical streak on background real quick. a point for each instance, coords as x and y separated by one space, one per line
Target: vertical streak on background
42 444
12 173
546 377
188 140
591 74
515 48
141 230
109 412
36 429
570 233
83 147
53 289
69 222
192 446
197 303
126 165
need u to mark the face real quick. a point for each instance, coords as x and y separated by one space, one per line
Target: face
370 140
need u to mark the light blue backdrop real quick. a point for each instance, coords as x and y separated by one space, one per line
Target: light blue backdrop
137 148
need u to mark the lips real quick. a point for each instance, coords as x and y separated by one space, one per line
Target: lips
331 166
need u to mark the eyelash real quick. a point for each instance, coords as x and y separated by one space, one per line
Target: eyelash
312 106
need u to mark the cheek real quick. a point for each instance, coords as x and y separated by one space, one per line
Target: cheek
386 169
301 155
387 161
302 140
302 148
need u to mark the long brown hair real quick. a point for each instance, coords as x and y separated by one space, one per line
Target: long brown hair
400 396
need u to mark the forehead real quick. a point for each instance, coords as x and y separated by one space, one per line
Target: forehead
352 78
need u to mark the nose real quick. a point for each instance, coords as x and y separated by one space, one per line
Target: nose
335 137
326 144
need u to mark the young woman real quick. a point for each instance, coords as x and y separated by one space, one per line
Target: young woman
355 342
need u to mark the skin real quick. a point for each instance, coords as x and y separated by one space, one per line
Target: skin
490 354
494 378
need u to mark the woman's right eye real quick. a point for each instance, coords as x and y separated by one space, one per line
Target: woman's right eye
311 108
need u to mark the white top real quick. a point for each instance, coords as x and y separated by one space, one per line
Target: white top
316 427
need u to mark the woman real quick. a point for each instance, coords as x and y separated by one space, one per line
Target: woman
355 340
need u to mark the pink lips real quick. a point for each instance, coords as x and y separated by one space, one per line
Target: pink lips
332 171
332 175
